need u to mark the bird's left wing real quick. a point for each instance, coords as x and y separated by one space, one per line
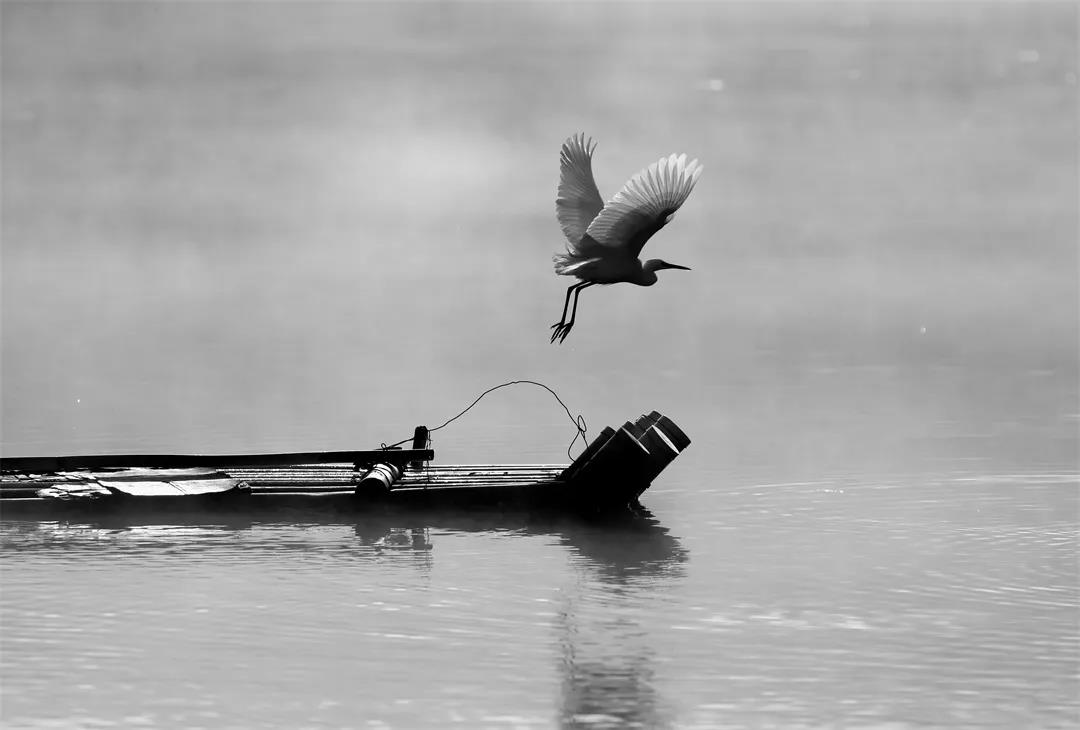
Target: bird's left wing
578 201
645 204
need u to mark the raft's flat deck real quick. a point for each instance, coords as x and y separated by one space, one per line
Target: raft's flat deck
342 477
517 485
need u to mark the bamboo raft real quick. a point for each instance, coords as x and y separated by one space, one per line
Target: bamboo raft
609 475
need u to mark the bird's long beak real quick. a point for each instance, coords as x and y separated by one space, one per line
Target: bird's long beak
676 266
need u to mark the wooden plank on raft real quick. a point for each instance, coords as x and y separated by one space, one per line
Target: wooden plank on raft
434 478
347 472
135 482
212 461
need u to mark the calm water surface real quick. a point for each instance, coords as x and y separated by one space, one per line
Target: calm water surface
242 227
903 602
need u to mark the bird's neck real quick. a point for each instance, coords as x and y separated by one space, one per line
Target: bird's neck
646 276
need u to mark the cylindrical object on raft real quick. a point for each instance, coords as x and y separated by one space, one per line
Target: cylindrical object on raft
615 472
673 433
620 467
664 441
657 443
621 464
661 453
378 480
590 450
645 421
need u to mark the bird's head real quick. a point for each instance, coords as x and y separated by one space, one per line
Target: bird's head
658 264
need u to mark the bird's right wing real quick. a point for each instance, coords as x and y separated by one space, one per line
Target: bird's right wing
578 201
645 204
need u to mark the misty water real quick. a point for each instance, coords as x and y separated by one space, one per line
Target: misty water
245 227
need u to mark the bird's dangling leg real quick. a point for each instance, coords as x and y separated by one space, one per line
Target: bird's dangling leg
566 304
573 311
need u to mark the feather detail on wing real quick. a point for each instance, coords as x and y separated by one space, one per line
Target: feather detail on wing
645 204
578 201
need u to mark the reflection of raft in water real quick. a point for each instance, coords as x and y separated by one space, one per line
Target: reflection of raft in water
608 476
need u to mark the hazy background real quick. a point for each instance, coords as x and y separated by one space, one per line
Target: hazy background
259 226
269 226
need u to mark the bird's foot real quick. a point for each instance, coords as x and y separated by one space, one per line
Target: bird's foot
562 329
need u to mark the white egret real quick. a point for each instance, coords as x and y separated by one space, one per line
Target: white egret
604 241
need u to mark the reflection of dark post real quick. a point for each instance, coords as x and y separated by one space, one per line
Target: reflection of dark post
419 441
608 666
618 684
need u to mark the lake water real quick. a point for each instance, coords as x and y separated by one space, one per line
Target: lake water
234 227
848 602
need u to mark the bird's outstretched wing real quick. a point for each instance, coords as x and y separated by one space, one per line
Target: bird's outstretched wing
578 201
645 204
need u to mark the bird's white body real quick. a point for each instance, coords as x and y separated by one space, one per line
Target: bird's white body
604 241
610 269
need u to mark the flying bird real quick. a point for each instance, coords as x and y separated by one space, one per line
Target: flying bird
604 241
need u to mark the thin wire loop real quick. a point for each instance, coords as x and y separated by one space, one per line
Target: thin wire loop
578 421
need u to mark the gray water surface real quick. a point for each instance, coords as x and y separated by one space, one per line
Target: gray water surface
941 602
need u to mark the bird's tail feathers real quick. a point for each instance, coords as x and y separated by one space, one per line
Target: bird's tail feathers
569 265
